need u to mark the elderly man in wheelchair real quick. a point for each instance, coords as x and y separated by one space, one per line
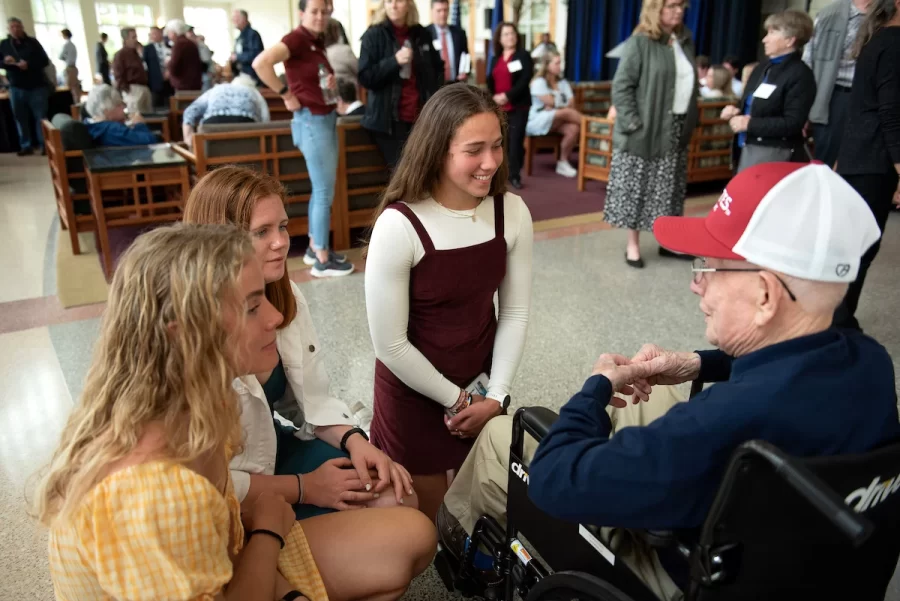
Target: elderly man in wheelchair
775 482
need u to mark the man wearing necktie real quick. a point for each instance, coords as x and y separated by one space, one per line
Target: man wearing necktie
451 41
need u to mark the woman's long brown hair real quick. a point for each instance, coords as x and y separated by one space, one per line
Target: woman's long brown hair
426 149
228 195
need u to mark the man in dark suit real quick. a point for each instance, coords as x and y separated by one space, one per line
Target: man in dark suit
156 55
102 58
348 103
450 41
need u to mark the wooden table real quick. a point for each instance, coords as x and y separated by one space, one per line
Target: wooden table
152 184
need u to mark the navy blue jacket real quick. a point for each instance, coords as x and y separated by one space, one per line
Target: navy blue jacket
247 47
31 51
826 394
155 80
113 133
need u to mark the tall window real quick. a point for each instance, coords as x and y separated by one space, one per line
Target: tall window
214 25
534 20
113 17
49 20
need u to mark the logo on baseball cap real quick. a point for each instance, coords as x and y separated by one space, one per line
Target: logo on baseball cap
799 219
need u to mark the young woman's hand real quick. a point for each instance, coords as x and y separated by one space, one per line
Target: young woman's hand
469 422
335 485
271 512
290 102
365 457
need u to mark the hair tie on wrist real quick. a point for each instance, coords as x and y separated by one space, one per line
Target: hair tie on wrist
274 535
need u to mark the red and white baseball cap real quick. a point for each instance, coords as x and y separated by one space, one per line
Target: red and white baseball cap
799 219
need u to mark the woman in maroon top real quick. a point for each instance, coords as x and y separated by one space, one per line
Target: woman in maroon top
314 126
508 80
400 78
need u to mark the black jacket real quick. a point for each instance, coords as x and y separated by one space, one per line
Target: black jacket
779 119
29 50
379 72
871 141
520 94
102 58
155 79
460 45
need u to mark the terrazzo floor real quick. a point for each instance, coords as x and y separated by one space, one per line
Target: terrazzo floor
585 301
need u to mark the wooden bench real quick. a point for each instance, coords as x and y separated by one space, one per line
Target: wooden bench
533 144
361 175
69 185
269 148
709 151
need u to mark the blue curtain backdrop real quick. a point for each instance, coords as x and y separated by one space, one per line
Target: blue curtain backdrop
720 28
496 19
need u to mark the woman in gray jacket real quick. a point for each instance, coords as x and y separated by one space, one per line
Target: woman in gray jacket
655 95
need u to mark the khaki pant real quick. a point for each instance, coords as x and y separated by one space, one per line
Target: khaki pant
73 84
138 99
480 485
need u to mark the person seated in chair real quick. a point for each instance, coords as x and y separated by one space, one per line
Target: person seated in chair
236 102
108 125
348 102
782 374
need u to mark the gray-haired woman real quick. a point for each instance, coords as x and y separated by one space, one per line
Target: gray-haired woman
655 95
107 124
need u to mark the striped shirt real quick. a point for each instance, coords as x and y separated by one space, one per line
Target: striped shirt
848 64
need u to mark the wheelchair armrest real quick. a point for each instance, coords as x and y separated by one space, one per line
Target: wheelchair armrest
537 420
658 539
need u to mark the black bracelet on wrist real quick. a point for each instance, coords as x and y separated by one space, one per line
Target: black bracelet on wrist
350 433
274 535
299 489
284 90
290 596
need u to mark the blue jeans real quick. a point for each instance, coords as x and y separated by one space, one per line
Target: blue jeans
316 137
28 105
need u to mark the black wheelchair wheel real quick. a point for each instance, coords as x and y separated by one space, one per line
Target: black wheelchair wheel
575 586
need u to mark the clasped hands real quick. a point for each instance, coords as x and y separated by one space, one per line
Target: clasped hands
651 366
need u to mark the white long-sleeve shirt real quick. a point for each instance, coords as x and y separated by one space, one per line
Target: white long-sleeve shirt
395 249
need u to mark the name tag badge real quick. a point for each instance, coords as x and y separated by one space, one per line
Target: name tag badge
437 45
514 66
764 91
424 48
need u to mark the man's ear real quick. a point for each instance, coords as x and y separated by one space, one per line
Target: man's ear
770 296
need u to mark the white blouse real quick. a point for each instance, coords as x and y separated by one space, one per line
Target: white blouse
684 80
395 249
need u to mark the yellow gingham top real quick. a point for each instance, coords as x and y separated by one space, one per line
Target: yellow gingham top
159 530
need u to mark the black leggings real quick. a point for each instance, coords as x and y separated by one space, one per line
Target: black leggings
391 145
518 119
878 192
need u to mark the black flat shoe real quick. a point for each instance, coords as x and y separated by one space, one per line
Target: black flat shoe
665 252
636 263
515 183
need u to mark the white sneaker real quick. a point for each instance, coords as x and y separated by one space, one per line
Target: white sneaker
564 169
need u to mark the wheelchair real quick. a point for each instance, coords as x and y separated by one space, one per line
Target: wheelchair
779 528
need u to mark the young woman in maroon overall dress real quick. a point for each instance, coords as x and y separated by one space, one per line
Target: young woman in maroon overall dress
453 166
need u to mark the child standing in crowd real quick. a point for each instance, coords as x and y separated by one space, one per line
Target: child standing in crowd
314 124
446 239
144 457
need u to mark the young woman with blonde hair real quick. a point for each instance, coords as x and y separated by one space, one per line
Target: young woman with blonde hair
323 463
447 238
552 109
138 496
